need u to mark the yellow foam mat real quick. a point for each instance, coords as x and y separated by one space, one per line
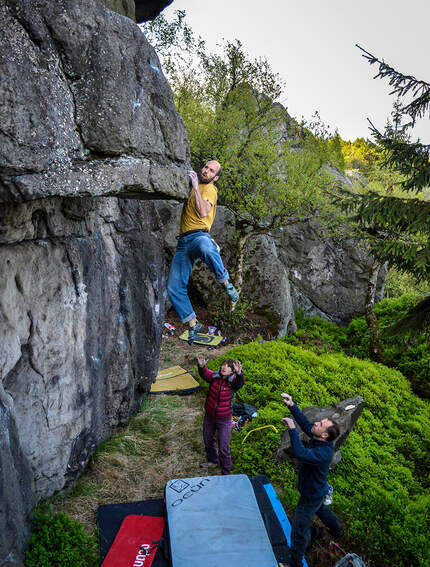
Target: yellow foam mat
174 380
203 339
170 372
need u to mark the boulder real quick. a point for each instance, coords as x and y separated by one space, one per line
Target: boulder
81 311
85 108
345 413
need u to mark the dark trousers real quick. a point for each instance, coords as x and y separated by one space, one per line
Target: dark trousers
222 425
300 533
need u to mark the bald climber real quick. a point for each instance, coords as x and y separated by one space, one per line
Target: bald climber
194 242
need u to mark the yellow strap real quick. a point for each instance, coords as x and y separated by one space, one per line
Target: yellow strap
256 429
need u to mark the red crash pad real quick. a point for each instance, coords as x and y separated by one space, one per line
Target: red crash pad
136 542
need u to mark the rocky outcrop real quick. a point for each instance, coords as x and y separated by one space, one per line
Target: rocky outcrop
296 268
149 9
86 116
85 108
345 413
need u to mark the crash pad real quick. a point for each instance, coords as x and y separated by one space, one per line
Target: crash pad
203 339
215 521
174 380
136 542
111 516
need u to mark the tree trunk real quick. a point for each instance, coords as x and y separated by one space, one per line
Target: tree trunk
241 239
376 352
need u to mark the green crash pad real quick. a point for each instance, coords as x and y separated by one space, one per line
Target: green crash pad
203 339
174 380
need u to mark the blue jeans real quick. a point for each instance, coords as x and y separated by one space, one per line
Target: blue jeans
189 249
300 532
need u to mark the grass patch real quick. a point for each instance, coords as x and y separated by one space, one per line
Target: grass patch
59 541
163 441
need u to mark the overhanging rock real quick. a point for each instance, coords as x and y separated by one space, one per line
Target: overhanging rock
85 108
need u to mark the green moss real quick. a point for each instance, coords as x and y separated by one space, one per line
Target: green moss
382 482
409 354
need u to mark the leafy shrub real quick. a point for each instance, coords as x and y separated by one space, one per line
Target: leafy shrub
233 322
382 482
318 334
399 283
59 541
410 354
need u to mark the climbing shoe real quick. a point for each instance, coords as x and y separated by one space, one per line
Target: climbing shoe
232 293
192 333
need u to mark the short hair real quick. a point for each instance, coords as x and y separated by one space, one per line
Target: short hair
229 362
219 172
333 431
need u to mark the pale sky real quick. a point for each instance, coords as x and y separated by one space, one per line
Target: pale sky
311 44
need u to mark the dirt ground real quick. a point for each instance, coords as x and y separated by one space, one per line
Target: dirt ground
176 351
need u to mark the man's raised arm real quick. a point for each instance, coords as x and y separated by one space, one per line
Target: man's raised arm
298 415
203 207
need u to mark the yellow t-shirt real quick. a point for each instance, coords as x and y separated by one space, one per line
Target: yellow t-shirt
190 218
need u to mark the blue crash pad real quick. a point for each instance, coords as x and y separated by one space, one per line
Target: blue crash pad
223 523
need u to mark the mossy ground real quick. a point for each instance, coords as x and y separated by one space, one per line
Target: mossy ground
163 441
379 485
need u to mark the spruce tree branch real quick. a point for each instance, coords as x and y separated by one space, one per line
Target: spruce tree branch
403 84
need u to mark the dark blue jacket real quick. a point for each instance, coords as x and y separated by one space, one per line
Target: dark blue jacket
315 458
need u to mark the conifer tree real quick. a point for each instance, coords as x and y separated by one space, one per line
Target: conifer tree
398 224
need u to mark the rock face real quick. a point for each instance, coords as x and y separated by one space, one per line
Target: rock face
82 304
123 7
297 268
149 9
86 116
85 108
81 309
328 278
345 413
16 488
